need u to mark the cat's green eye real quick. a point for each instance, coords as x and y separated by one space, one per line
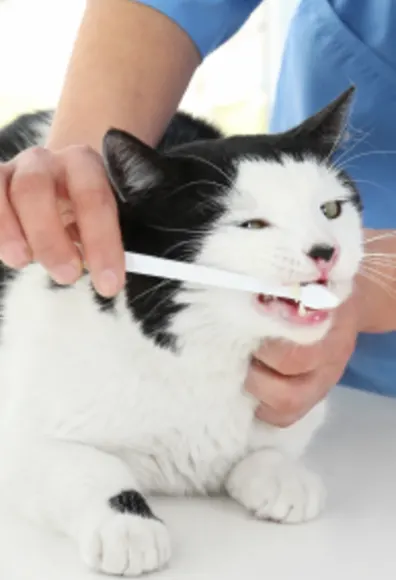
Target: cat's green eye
332 209
255 224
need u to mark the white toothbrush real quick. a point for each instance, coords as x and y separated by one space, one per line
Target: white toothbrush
312 296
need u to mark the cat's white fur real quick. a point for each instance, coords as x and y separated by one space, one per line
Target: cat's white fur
91 407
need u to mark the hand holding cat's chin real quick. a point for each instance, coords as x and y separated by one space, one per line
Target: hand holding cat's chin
289 379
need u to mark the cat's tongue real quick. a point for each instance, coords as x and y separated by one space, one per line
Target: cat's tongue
292 311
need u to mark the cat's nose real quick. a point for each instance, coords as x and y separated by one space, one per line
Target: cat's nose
322 253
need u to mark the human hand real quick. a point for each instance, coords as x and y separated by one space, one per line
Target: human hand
289 379
48 200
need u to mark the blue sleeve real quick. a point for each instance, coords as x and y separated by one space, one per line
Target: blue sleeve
209 23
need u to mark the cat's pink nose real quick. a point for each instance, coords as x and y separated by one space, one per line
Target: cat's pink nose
324 257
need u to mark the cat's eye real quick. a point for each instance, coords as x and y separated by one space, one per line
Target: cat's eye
256 224
332 209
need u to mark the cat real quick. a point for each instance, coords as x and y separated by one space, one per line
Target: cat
107 401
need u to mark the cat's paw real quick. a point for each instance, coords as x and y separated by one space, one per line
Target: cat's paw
124 544
275 488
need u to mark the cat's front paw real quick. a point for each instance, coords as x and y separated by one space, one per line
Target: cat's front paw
120 542
276 488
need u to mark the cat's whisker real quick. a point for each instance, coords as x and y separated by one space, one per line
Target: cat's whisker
374 280
372 276
380 261
387 255
337 141
385 189
378 237
365 154
166 298
379 264
382 286
229 181
197 182
197 232
378 273
210 164
149 291
357 142
179 245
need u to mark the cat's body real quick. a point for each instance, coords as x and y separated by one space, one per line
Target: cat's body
108 400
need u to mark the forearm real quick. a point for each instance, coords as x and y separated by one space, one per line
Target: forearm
129 69
376 282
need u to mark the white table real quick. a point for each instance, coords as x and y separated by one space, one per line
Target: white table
356 454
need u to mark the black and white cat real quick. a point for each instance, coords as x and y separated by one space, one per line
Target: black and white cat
106 401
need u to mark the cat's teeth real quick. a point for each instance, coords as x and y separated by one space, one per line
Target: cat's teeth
297 290
301 309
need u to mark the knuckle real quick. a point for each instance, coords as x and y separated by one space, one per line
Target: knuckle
29 181
36 152
76 157
31 160
91 191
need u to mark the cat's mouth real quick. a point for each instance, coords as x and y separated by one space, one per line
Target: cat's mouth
291 310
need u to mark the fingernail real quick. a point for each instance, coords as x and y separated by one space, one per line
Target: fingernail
65 273
15 254
108 283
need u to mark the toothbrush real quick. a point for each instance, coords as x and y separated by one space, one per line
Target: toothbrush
312 296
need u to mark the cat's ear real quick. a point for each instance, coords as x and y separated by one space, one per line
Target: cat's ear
133 167
328 125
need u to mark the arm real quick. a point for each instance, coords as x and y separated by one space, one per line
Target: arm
130 65
376 283
129 68
132 62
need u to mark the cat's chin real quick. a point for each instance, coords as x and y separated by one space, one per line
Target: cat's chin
304 335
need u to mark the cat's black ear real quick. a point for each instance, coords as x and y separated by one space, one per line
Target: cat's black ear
328 125
132 166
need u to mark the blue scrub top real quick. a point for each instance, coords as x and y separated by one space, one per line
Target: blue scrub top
331 44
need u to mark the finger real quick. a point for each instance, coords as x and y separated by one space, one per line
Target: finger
97 220
14 250
273 417
288 358
287 396
33 195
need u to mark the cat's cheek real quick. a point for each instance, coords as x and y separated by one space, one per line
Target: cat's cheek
343 290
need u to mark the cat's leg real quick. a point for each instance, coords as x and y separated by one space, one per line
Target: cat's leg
92 497
271 482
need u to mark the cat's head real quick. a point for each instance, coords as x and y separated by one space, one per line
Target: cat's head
271 206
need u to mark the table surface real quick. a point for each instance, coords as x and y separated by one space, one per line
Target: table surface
214 539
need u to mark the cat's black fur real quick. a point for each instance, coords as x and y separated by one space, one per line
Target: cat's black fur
131 502
191 169
23 132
